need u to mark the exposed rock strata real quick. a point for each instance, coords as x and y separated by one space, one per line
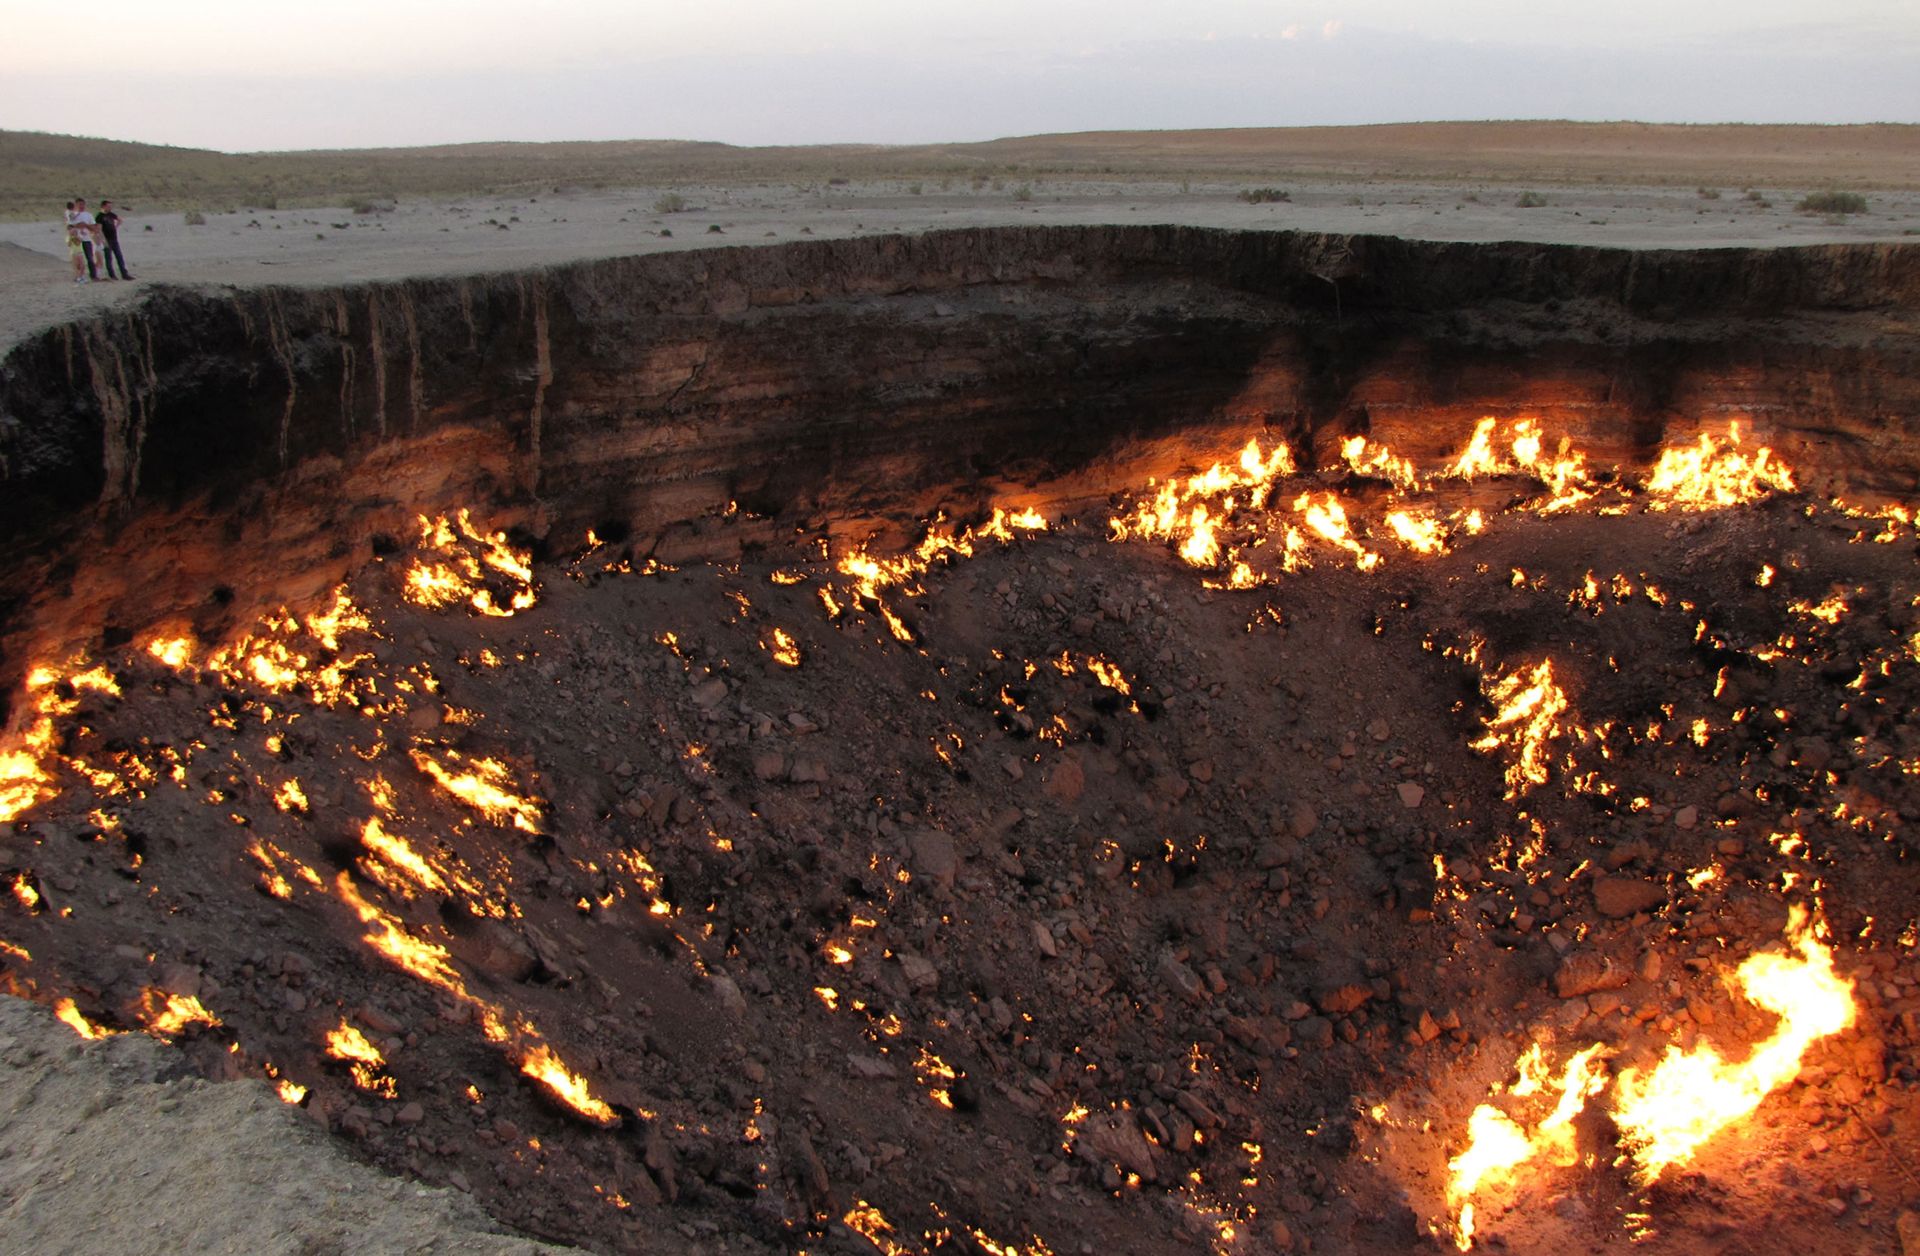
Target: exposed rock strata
233 450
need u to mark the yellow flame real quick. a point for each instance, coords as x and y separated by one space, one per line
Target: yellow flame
1497 1144
1665 1114
543 1066
290 797
1707 475
1529 705
70 1016
1418 531
872 1225
1189 513
465 560
348 1043
172 652
167 1015
396 852
484 786
1563 474
1383 463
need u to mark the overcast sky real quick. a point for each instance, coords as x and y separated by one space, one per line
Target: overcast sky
353 73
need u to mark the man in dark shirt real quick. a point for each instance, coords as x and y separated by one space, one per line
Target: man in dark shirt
109 223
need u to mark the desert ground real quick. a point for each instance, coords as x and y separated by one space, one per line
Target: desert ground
1646 188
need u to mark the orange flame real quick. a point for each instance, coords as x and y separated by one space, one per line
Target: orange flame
1497 1144
543 1066
168 1015
1707 475
24 778
397 853
460 573
1664 1115
70 1016
1189 513
484 787
1528 717
347 1043
1383 463
1563 474
1667 1113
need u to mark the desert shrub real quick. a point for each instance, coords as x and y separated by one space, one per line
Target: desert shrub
194 218
838 181
1708 194
1833 203
1262 196
914 189
1024 192
669 203
1530 200
1754 194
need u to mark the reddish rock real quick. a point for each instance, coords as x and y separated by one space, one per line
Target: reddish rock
1624 896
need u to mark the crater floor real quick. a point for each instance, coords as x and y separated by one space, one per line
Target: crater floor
1032 890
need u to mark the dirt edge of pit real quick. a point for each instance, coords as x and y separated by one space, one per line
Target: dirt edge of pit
117 1145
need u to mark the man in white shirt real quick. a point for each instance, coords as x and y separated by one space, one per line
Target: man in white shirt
84 220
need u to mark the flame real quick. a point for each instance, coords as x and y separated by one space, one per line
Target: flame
1562 474
1418 531
1109 674
1189 513
543 1066
397 853
1528 717
70 1016
1328 518
484 786
1665 1114
785 650
290 1091
935 1074
425 960
290 797
172 652
1497 1144
1827 611
872 575
872 1225
24 778
1383 463
467 560
1707 475
351 1047
168 1015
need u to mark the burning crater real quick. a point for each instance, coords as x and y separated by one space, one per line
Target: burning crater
1019 741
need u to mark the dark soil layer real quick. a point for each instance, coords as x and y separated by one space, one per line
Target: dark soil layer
1223 962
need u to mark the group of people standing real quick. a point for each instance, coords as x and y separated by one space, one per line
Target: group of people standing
94 238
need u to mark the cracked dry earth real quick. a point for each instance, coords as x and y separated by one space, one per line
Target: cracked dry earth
1042 900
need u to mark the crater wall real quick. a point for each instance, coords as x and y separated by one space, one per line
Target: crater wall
207 454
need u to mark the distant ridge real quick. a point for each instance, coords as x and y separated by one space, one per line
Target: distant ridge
38 169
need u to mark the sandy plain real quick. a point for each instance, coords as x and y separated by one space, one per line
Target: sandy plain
486 233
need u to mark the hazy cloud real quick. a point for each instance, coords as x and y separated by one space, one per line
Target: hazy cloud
986 81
